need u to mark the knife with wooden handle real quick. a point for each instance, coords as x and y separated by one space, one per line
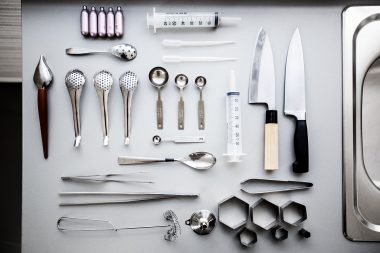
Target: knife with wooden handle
295 102
262 90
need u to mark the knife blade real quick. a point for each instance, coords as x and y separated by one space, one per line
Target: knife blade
295 102
262 90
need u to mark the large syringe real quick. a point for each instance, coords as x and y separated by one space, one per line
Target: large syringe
188 20
233 117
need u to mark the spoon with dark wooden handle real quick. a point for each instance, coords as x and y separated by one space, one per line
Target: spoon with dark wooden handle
42 78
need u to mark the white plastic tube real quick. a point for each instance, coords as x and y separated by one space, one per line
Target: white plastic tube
178 59
183 43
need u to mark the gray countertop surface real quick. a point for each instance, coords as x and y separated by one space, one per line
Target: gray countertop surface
320 28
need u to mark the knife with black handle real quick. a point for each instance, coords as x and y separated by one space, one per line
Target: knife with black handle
295 102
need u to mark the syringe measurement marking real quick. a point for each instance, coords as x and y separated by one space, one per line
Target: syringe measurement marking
187 21
235 119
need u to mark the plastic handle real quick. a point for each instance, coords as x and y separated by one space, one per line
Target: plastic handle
43 115
301 148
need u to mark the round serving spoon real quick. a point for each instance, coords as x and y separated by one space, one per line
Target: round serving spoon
158 77
123 51
196 160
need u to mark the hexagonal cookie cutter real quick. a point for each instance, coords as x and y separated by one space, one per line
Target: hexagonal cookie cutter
293 213
279 233
233 212
265 214
247 237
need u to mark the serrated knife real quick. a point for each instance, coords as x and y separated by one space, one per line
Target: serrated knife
295 104
262 90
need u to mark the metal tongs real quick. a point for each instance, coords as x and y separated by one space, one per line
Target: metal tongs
125 197
98 178
261 186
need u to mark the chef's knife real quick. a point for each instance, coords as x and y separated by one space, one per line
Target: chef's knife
261 90
295 104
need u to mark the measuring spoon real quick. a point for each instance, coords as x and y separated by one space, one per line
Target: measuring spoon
196 160
200 82
181 82
158 77
179 139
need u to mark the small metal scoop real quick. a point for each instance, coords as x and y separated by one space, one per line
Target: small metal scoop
158 77
178 139
128 83
196 160
202 222
103 81
75 80
181 82
200 82
123 51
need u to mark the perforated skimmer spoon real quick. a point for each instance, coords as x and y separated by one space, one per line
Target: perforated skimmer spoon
75 80
123 51
103 83
128 83
196 160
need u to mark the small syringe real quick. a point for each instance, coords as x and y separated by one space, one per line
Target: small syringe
233 117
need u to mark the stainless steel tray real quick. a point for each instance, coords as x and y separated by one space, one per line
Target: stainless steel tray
361 47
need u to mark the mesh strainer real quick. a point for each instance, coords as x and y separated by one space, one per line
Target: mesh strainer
103 81
75 80
128 83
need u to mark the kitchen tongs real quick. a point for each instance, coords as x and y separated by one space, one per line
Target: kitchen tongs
261 186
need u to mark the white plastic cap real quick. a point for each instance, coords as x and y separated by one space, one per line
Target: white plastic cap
229 21
234 158
150 20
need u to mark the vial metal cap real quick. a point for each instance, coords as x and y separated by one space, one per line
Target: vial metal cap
93 8
110 9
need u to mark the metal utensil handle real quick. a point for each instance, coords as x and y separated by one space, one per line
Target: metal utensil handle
43 115
83 51
128 160
190 139
160 113
201 115
75 104
181 114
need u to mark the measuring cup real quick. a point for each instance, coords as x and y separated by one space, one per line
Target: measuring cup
200 82
158 77
181 82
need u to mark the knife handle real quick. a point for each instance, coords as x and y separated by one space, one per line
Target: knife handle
43 115
271 141
301 149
